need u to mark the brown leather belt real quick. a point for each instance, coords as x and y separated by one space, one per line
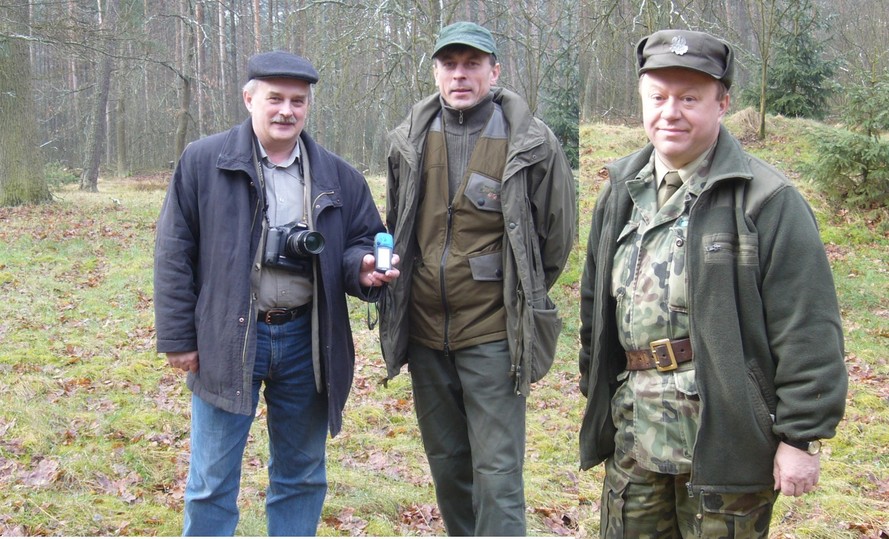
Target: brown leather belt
663 355
282 316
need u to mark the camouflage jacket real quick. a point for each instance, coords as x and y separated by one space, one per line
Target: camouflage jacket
765 322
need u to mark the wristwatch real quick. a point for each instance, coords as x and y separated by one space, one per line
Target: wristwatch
812 448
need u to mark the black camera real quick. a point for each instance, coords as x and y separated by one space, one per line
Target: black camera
291 247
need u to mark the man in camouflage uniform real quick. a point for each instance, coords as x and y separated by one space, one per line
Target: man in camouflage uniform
711 345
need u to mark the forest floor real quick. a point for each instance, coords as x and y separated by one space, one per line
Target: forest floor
94 426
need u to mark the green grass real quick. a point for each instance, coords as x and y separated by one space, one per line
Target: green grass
94 426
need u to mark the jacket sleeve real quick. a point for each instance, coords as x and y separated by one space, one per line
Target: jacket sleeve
554 207
392 185
362 222
803 320
175 262
587 290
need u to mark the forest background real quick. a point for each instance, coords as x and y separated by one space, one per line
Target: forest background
123 85
102 95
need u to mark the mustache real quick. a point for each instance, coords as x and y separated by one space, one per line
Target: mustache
280 119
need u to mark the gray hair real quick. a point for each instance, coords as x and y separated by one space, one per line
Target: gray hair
250 88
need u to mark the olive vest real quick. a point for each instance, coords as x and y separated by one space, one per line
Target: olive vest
457 287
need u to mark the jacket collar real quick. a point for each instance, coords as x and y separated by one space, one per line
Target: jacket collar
237 155
237 150
524 132
728 161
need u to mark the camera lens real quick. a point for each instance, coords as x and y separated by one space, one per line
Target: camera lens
305 243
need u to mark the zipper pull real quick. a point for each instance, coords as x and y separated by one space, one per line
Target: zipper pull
461 117
691 492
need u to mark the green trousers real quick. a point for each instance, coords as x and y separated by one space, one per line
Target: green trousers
473 427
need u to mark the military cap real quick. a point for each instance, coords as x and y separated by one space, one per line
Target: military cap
691 50
466 33
280 64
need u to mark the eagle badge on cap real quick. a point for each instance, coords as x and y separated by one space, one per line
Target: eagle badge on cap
678 45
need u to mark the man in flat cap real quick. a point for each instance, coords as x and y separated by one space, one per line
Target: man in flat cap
481 204
262 234
711 346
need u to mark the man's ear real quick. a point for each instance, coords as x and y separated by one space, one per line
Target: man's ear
724 104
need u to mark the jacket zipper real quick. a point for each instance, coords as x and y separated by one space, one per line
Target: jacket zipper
441 277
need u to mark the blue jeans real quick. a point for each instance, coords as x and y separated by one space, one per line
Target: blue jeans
297 423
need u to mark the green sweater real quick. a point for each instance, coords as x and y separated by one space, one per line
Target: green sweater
765 323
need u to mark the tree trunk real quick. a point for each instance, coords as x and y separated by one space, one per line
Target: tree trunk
21 168
95 142
120 134
89 180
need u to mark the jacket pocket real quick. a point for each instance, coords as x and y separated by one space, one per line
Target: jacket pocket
483 192
487 266
547 326
764 415
724 248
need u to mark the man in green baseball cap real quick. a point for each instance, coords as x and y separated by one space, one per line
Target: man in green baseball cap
481 204
711 341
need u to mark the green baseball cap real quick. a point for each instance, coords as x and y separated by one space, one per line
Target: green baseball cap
687 49
466 33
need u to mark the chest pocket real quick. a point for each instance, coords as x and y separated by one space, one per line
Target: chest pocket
677 282
624 260
724 248
484 193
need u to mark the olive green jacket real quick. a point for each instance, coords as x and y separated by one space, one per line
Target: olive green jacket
539 215
765 323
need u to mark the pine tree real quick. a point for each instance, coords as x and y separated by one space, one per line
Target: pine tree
799 82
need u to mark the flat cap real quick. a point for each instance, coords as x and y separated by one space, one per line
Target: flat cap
280 64
466 33
691 50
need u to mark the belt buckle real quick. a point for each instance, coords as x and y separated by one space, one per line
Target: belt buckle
275 313
654 345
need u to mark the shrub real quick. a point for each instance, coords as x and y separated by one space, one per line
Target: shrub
58 174
851 168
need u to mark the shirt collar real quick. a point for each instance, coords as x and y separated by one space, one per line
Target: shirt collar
686 172
264 156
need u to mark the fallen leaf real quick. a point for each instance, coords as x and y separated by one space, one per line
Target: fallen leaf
45 473
346 521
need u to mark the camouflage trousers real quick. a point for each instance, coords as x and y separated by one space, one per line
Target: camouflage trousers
638 503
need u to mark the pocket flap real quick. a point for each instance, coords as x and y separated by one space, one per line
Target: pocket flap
487 267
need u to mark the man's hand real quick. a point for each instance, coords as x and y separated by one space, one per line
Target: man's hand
796 472
370 277
187 361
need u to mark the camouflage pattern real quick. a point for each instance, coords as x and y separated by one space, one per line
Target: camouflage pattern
642 504
649 280
657 416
